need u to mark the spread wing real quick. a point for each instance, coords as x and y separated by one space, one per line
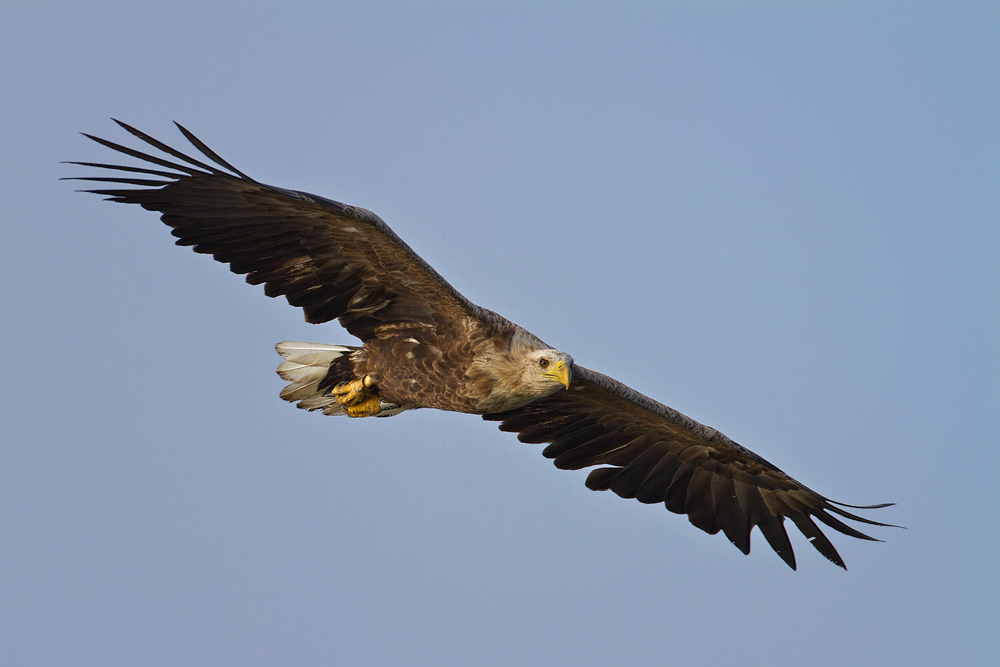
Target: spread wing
333 260
657 455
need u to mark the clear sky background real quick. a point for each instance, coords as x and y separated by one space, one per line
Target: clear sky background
782 219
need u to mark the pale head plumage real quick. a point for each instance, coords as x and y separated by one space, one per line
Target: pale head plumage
523 376
520 370
547 371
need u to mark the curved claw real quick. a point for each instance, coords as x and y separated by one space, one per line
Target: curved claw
366 408
359 398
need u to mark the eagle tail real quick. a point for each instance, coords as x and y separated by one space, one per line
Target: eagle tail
313 370
306 366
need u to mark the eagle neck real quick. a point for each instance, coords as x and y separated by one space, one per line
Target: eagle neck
499 368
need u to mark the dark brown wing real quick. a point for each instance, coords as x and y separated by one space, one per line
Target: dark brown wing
657 455
330 259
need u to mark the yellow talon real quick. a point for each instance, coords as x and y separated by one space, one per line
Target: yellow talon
358 397
364 408
349 393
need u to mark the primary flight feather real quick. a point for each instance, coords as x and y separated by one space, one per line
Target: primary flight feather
424 345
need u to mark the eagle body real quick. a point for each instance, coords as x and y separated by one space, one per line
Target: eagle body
473 368
424 345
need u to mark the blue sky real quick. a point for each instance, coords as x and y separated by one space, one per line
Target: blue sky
781 220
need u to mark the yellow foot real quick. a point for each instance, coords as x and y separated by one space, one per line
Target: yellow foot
358 397
366 408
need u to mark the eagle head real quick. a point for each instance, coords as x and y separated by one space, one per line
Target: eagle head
545 370
525 371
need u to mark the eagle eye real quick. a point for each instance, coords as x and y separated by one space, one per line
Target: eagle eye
544 363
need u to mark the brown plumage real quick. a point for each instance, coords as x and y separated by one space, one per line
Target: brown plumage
426 345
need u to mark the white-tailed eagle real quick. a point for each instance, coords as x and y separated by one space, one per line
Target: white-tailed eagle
424 345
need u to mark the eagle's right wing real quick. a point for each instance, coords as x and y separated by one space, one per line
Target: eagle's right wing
333 260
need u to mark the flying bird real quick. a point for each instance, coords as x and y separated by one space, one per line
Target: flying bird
424 345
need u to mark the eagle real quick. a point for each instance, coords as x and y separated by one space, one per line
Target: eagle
424 345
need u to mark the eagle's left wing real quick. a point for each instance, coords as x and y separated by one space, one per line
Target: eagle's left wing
657 455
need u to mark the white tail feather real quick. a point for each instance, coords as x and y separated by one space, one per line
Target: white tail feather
327 404
305 366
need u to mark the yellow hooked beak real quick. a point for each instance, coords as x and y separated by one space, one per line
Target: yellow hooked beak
561 373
